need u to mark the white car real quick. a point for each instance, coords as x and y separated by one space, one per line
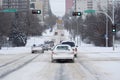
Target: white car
62 52
37 49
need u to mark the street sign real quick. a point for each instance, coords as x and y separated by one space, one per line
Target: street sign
9 10
89 11
59 21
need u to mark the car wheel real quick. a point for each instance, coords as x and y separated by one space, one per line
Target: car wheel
52 60
75 55
73 60
32 51
42 51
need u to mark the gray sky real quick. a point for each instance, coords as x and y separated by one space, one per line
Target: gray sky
58 7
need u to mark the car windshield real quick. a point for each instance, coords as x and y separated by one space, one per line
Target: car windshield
62 48
72 44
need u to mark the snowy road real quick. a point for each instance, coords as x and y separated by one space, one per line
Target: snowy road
88 66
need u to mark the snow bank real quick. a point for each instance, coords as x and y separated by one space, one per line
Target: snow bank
35 40
15 50
98 49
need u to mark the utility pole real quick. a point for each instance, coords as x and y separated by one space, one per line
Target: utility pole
113 18
106 37
75 6
76 20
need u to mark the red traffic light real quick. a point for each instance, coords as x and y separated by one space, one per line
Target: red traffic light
36 11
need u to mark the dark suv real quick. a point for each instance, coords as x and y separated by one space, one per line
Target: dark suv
72 44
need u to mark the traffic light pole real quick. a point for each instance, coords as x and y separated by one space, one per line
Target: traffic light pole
76 21
112 19
113 23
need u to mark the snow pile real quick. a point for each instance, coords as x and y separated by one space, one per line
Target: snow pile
48 32
15 50
99 49
35 40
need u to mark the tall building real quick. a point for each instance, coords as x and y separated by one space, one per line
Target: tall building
46 8
69 5
91 4
16 4
42 5
36 4
0 3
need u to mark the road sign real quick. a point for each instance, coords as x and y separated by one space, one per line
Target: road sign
9 10
59 21
89 11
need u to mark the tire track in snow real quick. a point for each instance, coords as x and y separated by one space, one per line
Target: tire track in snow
6 70
10 62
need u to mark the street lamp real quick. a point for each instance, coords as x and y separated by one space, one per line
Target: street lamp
113 22
112 19
70 27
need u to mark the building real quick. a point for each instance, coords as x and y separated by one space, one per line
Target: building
36 4
20 5
46 7
83 5
0 3
69 5
42 5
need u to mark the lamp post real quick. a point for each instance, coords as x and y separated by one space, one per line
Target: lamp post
113 23
76 21
106 37
70 27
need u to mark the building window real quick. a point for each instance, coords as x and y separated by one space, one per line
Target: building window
89 4
33 0
32 5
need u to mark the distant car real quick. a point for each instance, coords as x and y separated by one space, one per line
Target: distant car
62 52
72 44
45 47
48 45
37 49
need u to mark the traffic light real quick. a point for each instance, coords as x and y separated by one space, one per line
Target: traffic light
76 13
114 28
36 11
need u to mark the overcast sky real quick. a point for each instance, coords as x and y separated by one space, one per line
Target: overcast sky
58 7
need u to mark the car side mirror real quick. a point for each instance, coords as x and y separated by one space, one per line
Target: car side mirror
76 46
51 49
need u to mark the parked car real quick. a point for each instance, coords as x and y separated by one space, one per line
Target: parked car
62 52
37 48
72 44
